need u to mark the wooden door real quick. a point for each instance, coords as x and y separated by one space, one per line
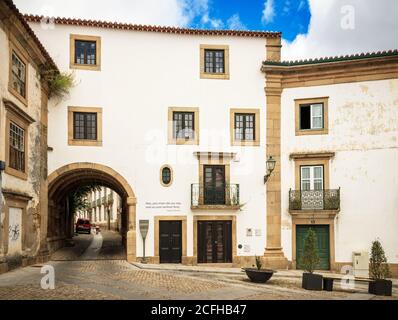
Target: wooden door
214 241
170 241
323 245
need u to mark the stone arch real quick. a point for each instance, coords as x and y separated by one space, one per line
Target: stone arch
68 177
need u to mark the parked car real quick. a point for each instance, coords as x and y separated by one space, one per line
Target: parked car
83 225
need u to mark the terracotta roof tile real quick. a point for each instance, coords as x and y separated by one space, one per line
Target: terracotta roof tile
149 28
352 57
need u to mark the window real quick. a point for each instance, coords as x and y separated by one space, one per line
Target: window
18 71
18 75
85 52
16 140
17 147
245 127
166 176
183 125
311 178
84 126
214 62
311 116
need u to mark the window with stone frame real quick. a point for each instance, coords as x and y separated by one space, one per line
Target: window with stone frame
84 126
85 52
245 126
183 125
214 61
17 147
18 75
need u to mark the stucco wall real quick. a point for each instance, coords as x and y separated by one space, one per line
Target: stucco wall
363 132
142 74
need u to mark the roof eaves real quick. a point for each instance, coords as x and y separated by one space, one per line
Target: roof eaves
151 28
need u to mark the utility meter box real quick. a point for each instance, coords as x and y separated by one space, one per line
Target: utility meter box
361 264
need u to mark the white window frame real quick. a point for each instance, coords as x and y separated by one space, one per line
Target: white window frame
312 176
312 116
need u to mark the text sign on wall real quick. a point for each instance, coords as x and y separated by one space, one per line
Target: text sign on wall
163 205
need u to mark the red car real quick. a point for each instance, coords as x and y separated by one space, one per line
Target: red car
83 225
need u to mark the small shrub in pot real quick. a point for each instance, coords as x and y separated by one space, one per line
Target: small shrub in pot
309 261
379 271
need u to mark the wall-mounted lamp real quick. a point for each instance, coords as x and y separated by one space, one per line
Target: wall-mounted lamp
270 167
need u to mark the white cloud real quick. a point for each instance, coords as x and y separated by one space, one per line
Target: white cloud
374 29
268 12
234 23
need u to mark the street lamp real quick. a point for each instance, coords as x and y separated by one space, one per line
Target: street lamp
270 167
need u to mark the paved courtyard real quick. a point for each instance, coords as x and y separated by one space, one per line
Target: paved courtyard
95 269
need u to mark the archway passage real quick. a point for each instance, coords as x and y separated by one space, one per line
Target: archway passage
63 181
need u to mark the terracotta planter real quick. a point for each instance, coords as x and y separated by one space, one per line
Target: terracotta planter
259 276
312 281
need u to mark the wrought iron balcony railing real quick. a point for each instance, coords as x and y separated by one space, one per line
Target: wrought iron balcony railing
314 199
227 195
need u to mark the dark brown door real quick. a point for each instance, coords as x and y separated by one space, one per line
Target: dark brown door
170 242
214 241
214 185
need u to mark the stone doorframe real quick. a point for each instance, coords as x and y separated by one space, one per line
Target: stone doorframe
183 219
213 218
112 178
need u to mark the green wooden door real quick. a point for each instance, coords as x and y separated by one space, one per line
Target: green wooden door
322 235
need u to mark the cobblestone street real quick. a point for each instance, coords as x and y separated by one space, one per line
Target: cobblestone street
77 278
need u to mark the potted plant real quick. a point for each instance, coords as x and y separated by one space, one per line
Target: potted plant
379 271
258 274
309 261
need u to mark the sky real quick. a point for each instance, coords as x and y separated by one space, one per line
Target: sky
310 28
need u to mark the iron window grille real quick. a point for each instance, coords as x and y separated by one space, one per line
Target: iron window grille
214 61
84 126
18 75
17 147
85 52
245 127
184 125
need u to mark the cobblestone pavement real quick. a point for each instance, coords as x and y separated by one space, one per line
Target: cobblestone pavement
117 279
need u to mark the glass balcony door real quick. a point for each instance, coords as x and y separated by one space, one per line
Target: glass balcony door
311 183
214 185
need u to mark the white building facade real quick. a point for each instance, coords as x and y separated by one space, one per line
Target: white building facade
178 123
104 209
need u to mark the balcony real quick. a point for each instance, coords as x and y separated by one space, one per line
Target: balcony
314 200
224 198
